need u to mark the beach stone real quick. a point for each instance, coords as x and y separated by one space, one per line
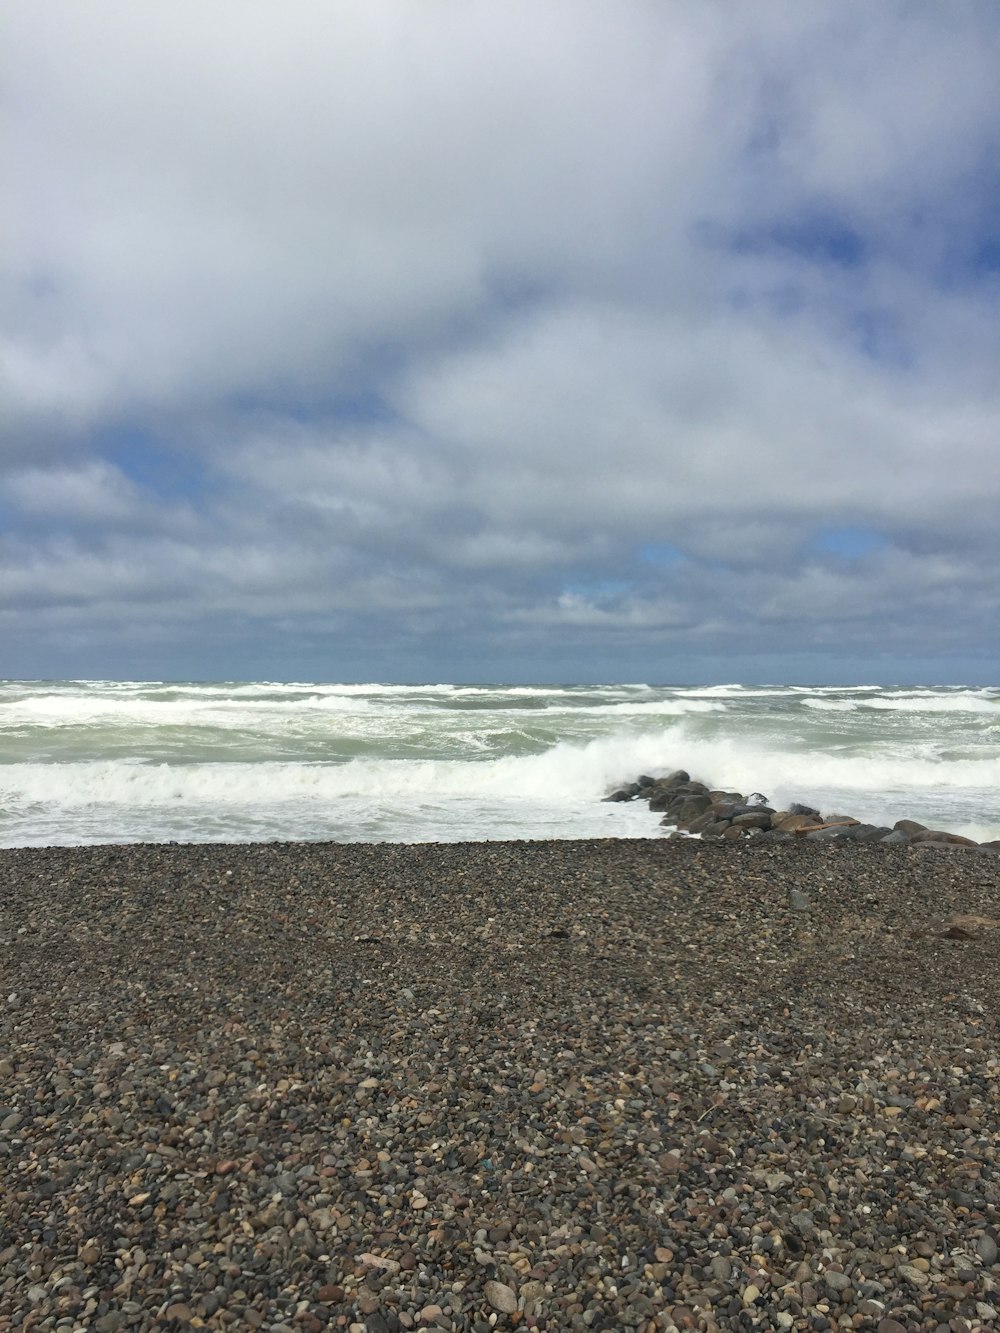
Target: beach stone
986 1248
716 829
913 1274
909 827
631 1086
795 821
934 835
501 1297
752 820
693 807
799 901
837 1282
703 821
872 832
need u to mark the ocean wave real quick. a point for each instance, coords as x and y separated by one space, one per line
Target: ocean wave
926 702
567 770
831 705
60 711
654 708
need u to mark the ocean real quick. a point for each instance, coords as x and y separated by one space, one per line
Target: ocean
140 761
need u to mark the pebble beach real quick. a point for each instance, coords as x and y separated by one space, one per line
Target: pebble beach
639 1084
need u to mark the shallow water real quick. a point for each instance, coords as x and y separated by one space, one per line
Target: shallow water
105 761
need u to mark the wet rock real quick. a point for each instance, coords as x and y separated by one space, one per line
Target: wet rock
909 827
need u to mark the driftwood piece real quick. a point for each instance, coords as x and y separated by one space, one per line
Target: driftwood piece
815 828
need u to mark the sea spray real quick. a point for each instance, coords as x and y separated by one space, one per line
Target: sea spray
241 761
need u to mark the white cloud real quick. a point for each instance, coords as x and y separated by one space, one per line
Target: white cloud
93 492
460 305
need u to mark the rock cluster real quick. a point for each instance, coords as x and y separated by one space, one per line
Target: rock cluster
610 1085
689 807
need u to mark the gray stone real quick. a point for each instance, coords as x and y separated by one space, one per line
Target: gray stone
756 819
501 1297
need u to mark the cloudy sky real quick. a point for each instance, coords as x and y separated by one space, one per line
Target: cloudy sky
458 340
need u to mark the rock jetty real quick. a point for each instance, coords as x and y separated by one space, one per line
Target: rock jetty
692 807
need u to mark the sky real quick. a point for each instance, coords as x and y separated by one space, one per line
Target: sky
566 340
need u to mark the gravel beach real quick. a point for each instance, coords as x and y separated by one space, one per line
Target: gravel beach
556 1085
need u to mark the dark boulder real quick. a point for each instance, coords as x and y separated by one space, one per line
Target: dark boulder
752 819
792 823
715 830
909 827
872 832
692 808
703 821
623 794
936 835
838 832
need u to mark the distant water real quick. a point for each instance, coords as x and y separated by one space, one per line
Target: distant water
104 761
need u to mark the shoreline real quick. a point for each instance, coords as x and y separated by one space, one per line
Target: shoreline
587 1084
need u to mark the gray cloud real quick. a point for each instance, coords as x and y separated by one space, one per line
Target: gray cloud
429 326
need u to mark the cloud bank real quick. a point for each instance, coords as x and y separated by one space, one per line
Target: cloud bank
529 341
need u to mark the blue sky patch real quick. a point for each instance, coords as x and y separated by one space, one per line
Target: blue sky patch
144 459
849 543
659 554
818 238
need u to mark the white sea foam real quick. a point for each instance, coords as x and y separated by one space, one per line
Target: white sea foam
830 705
90 761
966 702
656 708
